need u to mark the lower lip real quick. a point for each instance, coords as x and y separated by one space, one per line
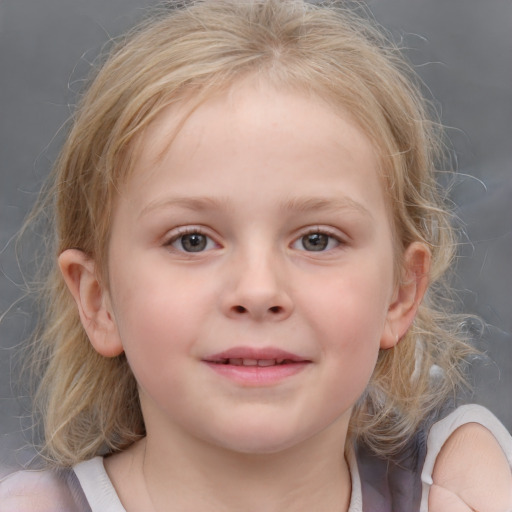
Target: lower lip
258 375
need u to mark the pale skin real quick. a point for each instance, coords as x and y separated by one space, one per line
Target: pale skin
282 204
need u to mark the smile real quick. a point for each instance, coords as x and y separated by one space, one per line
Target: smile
254 362
260 367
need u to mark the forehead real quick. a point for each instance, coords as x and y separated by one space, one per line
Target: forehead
256 131
253 105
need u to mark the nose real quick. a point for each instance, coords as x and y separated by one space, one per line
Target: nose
259 290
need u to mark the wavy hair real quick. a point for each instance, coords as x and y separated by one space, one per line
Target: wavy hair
190 51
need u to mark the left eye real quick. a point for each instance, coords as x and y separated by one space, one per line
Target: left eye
316 242
193 242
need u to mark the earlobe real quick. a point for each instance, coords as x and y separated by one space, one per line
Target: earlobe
409 294
92 300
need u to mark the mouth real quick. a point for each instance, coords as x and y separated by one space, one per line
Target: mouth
256 367
248 356
254 362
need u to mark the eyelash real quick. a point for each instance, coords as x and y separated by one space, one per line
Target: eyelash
181 233
322 232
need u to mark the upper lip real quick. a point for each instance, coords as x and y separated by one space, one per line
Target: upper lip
267 353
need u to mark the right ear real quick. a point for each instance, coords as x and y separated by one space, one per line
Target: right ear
92 300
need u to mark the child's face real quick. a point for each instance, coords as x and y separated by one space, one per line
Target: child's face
261 233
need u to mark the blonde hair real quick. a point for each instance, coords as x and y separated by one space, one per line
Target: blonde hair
89 403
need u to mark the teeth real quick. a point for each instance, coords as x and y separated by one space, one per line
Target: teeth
254 362
266 362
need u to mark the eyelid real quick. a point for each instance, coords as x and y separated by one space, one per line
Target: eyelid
176 233
324 230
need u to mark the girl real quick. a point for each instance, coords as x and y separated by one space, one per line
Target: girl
247 218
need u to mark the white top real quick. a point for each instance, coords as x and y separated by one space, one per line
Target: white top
88 488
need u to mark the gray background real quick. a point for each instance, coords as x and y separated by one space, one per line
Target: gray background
461 48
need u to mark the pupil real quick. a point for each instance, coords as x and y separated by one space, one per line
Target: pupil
315 242
194 242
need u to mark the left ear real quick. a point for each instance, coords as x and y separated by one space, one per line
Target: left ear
408 295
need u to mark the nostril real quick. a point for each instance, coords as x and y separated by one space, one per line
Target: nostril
272 310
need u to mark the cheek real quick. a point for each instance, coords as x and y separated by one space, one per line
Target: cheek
154 328
353 306
349 317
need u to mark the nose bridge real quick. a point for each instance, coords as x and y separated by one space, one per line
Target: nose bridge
259 287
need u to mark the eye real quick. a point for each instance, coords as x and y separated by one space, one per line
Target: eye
194 241
316 242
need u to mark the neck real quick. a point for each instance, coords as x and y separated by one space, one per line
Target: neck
199 476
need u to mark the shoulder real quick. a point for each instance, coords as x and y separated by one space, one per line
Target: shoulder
40 491
468 464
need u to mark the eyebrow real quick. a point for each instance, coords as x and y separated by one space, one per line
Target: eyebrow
296 205
307 204
197 204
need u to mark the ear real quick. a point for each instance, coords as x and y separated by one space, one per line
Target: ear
93 302
408 295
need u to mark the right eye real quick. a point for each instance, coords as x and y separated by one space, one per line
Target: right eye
194 241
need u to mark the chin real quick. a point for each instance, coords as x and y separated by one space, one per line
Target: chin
258 439
259 446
